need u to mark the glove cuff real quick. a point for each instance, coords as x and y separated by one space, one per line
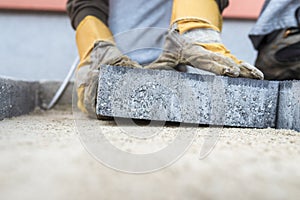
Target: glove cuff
190 13
88 32
203 35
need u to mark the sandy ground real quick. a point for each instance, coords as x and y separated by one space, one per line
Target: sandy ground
42 158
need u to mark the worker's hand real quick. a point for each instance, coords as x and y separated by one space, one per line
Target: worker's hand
104 53
202 48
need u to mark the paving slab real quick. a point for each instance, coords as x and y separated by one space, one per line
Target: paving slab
289 105
184 97
17 97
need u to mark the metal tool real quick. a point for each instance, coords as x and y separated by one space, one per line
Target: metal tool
63 86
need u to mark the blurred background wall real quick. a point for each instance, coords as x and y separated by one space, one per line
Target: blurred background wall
38 43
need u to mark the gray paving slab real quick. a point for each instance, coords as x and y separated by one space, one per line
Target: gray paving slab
17 97
189 98
289 105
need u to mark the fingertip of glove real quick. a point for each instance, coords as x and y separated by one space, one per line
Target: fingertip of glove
258 75
232 72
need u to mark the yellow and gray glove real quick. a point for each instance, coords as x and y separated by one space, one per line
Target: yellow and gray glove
96 47
194 39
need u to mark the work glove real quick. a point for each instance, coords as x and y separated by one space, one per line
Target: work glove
194 39
202 48
96 48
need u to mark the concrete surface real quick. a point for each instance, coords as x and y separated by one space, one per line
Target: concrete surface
44 44
289 105
183 97
17 97
42 158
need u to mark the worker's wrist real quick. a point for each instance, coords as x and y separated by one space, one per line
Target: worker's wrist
203 35
186 24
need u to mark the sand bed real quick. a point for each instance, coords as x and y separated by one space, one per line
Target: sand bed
42 158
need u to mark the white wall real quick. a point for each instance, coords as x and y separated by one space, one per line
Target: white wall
36 46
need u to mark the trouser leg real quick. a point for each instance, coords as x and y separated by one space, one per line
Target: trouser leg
139 27
274 16
276 36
